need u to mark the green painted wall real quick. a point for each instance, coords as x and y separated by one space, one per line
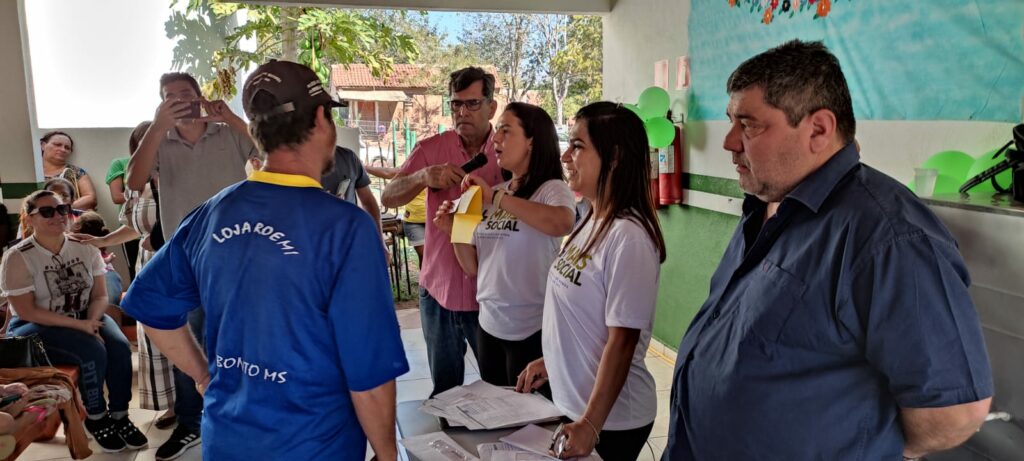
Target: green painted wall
696 239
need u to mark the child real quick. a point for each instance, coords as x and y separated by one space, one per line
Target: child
91 223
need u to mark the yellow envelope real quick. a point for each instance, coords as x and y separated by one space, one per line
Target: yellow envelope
468 213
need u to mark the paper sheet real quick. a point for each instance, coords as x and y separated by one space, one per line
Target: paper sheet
484 406
504 452
468 213
436 446
537 440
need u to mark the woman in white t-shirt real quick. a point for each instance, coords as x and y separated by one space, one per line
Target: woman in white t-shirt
601 292
524 221
57 290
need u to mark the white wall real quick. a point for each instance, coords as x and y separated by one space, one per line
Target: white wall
97 63
640 32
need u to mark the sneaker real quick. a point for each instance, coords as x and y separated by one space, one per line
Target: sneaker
181 440
105 433
131 435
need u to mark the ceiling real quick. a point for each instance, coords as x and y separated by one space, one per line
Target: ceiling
503 6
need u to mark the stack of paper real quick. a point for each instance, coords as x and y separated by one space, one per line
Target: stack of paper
485 406
537 441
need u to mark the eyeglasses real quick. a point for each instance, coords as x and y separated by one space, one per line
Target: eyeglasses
48 211
472 104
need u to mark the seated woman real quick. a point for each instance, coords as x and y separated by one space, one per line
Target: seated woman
601 292
513 247
57 290
57 147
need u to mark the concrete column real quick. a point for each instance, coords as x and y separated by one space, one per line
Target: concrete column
19 168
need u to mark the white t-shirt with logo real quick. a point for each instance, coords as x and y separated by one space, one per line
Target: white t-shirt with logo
615 285
62 282
513 260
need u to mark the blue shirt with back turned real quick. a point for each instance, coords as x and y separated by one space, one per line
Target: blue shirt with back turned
848 304
299 313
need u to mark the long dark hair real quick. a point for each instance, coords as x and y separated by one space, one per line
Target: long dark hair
624 182
545 164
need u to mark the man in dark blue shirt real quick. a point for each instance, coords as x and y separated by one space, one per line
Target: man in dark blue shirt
838 324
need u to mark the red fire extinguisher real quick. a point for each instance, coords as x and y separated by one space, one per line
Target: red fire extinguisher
655 168
670 166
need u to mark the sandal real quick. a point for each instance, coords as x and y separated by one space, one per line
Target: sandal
166 421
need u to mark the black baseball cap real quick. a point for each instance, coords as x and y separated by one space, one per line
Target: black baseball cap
295 86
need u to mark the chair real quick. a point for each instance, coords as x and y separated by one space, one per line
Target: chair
392 228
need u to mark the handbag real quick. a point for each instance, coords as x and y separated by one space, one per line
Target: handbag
156 237
22 352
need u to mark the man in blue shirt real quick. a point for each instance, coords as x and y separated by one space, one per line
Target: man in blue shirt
838 324
301 333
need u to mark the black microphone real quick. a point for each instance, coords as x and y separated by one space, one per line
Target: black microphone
473 164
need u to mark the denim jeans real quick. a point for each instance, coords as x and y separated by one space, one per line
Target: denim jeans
188 404
446 333
107 362
114 286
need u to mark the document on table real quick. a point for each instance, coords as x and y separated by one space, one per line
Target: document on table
537 440
436 446
484 406
504 452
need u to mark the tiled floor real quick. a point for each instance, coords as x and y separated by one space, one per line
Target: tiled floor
414 385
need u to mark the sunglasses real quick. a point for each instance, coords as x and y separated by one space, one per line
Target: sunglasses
48 211
472 104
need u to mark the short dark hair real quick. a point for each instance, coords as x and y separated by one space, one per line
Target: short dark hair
545 162
46 138
63 183
799 78
178 77
90 223
280 130
463 78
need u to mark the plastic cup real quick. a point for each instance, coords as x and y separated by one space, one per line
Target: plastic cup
924 181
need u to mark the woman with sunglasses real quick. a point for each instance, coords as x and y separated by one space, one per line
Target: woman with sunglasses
57 290
601 292
524 221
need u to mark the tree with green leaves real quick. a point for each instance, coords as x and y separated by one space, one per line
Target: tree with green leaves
316 37
572 60
511 44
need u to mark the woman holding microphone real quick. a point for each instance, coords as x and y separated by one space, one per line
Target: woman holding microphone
524 221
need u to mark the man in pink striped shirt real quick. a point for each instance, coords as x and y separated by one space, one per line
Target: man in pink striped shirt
448 307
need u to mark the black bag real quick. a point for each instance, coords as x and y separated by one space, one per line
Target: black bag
156 236
22 352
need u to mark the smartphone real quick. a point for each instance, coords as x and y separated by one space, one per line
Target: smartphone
194 110
9 399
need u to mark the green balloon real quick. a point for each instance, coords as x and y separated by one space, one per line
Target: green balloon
660 132
653 103
952 163
982 163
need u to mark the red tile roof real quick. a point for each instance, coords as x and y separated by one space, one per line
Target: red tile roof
405 76
358 76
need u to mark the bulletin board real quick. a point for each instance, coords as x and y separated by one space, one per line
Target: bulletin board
903 59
